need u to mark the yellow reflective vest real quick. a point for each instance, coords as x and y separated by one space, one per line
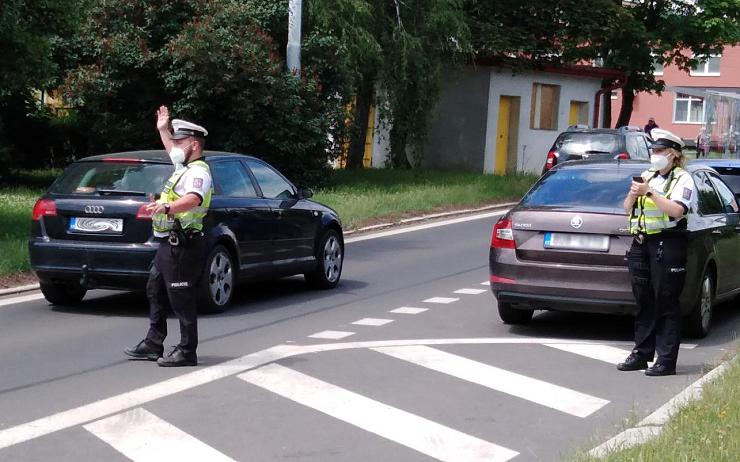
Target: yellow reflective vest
646 216
193 218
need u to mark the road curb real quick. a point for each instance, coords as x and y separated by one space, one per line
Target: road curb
652 426
432 216
19 289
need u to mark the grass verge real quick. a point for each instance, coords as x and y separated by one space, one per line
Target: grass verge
707 430
361 197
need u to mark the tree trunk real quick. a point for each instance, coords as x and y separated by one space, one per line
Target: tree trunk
361 116
625 112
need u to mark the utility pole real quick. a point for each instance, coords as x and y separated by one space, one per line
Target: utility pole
293 53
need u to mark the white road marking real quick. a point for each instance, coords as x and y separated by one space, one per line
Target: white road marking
143 437
470 291
486 283
331 334
376 322
22 299
605 353
424 226
538 391
423 435
98 409
443 300
409 310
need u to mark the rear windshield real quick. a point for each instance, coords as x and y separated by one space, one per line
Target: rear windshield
581 143
121 178
601 190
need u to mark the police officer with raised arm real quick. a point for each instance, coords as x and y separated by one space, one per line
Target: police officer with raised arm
657 205
177 222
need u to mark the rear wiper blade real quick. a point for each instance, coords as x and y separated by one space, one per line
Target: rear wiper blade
598 152
119 192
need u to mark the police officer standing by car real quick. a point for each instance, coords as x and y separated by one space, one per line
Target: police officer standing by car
178 226
658 203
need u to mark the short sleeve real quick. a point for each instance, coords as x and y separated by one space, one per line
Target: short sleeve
197 180
684 191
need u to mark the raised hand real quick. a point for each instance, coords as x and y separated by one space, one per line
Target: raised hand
163 118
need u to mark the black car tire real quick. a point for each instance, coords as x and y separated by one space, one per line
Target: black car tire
699 320
63 293
329 260
510 315
216 286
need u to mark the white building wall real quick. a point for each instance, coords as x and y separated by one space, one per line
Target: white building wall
533 145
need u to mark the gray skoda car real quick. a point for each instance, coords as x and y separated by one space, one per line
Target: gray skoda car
563 246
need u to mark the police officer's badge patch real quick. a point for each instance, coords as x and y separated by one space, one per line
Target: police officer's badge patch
687 193
198 183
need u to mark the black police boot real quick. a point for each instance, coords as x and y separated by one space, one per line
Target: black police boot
633 363
143 350
657 370
177 358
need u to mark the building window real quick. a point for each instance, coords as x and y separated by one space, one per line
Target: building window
657 65
707 66
688 109
544 110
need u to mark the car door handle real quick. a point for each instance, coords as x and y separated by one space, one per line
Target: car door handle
277 212
716 231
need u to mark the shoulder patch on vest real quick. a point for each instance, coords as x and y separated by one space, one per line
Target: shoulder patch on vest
687 193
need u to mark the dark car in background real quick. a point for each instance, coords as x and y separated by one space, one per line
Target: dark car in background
90 229
580 142
728 169
563 246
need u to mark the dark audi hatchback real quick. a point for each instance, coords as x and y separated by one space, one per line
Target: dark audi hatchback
563 246
90 229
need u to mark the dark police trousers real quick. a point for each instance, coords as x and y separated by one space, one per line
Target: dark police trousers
658 270
172 284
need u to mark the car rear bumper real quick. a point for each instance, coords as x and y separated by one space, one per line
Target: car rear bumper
109 266
582 288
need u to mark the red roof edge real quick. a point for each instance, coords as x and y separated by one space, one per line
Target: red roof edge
565 69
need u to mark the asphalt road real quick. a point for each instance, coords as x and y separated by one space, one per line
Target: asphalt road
341 375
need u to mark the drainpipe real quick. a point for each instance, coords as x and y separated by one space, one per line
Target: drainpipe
597 99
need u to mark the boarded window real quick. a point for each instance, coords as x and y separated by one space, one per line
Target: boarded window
544 112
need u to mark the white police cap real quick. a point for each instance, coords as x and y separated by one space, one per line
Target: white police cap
183 129
665 139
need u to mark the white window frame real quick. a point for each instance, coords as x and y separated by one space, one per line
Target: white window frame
705 68
614 94
691 100
656 63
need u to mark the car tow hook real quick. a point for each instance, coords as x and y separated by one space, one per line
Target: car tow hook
84 280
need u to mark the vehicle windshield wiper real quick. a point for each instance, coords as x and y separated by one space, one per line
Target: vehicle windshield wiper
598 152
120 192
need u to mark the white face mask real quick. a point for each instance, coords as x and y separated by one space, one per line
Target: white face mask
659 162
177 156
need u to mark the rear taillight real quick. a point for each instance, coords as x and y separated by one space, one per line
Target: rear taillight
143 213
500 280
551 160
622 156
503 235
44 208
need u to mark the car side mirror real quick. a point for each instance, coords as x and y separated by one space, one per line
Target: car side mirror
304 193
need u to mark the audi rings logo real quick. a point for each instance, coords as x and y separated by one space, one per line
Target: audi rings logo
576 222
96 209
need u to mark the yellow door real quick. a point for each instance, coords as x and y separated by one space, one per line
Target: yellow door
573 115
367 158
502 135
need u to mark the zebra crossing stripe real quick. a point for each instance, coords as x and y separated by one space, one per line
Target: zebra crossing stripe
423 435
143 437
605 353
540 392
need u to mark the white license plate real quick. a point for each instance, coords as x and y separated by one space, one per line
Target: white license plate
567 241
96 225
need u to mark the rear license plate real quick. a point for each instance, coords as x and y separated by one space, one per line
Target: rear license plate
96 225
567 241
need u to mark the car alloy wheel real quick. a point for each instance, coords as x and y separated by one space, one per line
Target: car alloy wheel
220 278
332 261
705 303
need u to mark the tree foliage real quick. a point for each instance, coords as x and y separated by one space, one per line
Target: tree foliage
213 63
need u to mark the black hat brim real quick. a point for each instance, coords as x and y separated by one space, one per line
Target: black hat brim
665 143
